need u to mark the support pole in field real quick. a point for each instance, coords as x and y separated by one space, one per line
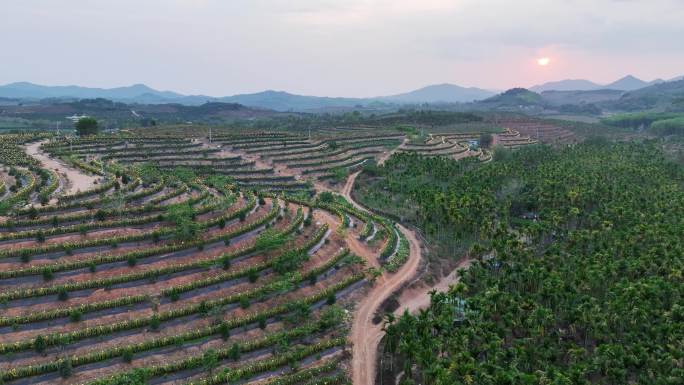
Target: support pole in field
209 135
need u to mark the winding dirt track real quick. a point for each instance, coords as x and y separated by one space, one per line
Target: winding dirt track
414 299
365 336
76 180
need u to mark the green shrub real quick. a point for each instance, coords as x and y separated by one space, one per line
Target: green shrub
47 274
155 322
62 294
127 355
75 315
224 331
39 344
234 353
65 368
244 303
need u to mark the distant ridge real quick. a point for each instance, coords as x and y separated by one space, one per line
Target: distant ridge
275 100
444 93
35 91
630 83
285 101
661 96
567 85
627 83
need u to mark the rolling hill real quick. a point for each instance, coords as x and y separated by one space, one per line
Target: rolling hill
284 101
440 93
567 85
515 97
558 98
630 83
121 112
667 96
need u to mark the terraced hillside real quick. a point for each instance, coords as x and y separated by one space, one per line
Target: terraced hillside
513 139
21 177
331 154
540 131
167 272
193 256
168 153
449 145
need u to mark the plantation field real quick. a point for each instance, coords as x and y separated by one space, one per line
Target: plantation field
182 262
539 131
197 255
574 262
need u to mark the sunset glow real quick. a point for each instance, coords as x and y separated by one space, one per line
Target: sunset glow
543 61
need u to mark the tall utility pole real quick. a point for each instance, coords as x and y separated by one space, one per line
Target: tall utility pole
209 135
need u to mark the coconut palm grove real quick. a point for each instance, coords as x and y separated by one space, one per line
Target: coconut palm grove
576 275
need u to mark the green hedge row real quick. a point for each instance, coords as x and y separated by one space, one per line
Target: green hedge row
152 273
154 343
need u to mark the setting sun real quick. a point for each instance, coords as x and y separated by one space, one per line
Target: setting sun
544 61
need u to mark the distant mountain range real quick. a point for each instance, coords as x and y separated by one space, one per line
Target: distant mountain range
661 97
628 83
275 100
25 90
557 93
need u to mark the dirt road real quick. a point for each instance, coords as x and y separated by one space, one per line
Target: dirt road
387 155
73 179
347 188
365 336
414 299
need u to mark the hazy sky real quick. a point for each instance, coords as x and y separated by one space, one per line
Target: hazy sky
336 47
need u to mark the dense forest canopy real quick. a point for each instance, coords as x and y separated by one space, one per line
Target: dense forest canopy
577 277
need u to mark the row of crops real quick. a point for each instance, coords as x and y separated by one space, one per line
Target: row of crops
169 274
168 154
329 155
465 144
